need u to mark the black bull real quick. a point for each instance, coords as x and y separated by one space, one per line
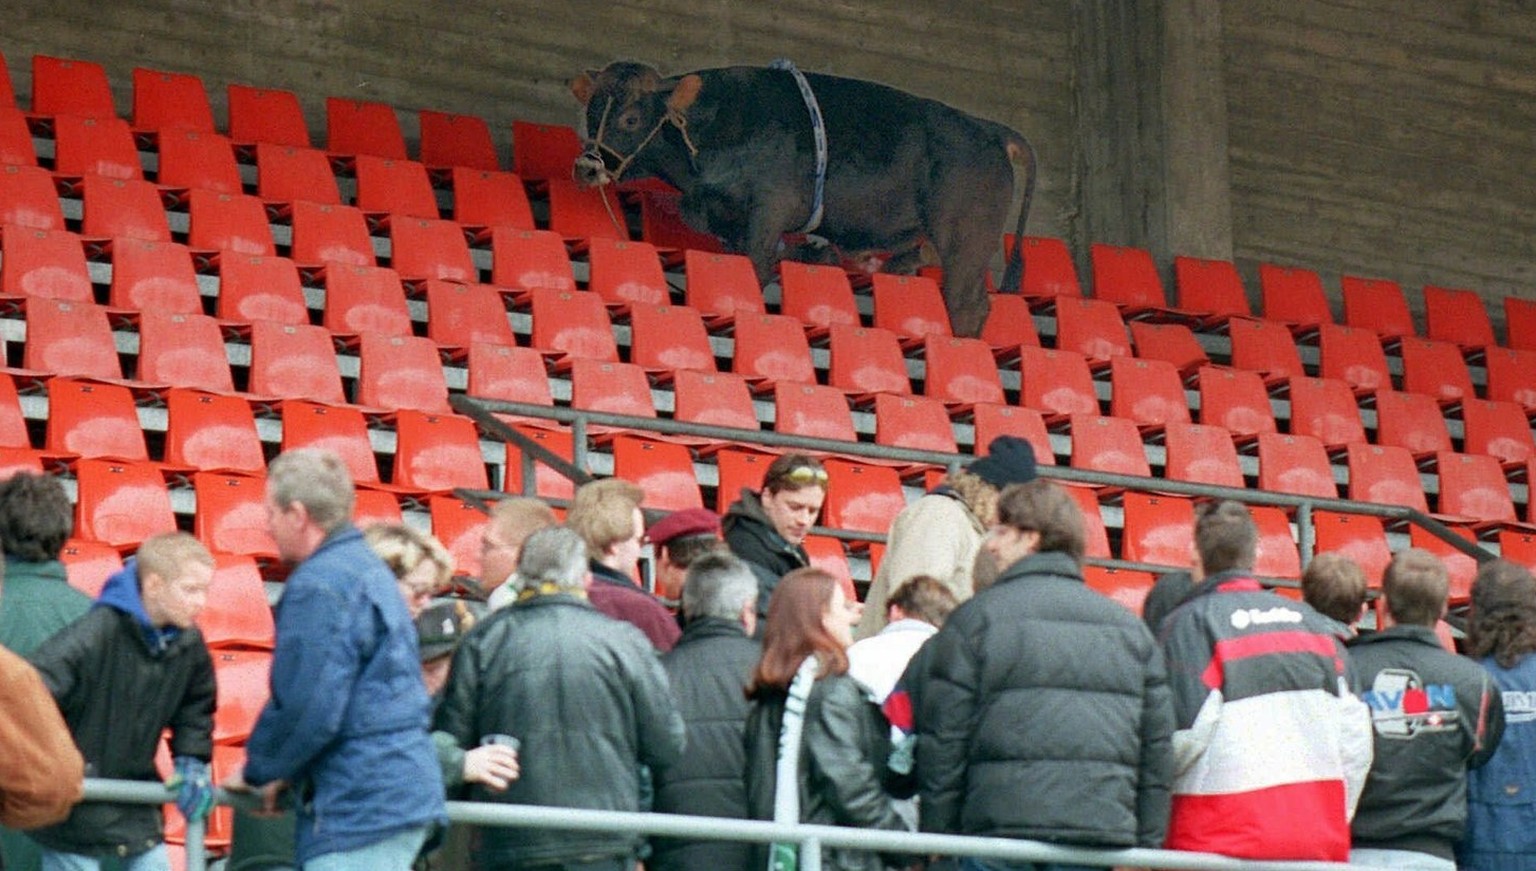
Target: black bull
738 142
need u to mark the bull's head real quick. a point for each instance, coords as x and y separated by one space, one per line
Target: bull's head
624 107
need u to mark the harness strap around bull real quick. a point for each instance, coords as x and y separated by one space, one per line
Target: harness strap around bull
818 133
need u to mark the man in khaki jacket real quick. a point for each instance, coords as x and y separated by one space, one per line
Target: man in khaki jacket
41 772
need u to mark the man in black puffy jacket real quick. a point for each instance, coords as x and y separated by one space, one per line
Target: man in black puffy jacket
708 669
1044 710
584 694
767 527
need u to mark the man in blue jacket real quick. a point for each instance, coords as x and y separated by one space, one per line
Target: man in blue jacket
346 728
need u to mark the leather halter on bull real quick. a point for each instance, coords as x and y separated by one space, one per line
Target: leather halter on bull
592 155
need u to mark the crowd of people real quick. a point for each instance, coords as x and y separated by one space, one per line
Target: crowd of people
982 689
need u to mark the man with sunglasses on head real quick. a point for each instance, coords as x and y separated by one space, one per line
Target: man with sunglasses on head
767 528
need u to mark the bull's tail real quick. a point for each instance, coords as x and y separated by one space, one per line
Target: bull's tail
1013 274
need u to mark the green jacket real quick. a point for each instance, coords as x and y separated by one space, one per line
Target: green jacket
36 601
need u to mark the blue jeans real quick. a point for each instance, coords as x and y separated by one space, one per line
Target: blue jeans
153 859
394 853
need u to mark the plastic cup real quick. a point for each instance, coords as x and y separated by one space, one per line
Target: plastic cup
500 739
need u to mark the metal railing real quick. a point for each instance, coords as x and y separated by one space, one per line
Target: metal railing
812 840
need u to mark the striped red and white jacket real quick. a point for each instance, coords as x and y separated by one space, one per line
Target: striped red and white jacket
1272 749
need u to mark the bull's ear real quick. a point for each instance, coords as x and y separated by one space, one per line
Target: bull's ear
685 93
582 87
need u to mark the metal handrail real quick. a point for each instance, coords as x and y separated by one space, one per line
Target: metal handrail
811 838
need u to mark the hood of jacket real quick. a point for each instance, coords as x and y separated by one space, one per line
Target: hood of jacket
748 507
121 593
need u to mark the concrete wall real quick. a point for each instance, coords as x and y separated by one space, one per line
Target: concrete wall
1364 136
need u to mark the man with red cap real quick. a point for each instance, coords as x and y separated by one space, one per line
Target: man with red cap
680 538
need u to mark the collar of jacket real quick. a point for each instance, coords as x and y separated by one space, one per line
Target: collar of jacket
1051 562
1234 581
606 575
748 513
1406 632
52 570
711 627
540 594
121 593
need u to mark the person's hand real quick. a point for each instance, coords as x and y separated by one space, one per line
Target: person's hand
493 765
269 793
194 788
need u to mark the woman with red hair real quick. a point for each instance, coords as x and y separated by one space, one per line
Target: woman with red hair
816 742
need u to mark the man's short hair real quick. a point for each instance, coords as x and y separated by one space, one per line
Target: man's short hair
603 513
518 517
553 555
403 549
719 584
1415 585
1334 585
794 472
1041 506
925 598
686 550
35 517
316 479
169 553
1226 537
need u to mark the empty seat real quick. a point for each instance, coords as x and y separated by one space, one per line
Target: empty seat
1108 444
543 151
865 360
1093 328
1126 587
813 411
294 361
1056 383
1411 421
1009 325
611 387
122 208
1127 277
121 503
183 350
88 419
1173 343
739 470
268 115
212 432
1517 546
713 399
154 276
243 678
70 338
1497 429
1355 357
1512 376
1094 532
772 348
1049 270
669 337
291 173
460 525
459 141
341 430
394 187
237 615
44 263
623 272
1358 537
1386 475
663 470
960 372
198 160
15 137
917 423
1325 409
95 146
508 373
28 198
1520 323
721 286
527 260
1202 454
88 564
1235 400
228 222
861 497
1275 556
363 127
422 249
910 306
1159 530
170 101
1458 317
581 213
437 452
1473 486
1293 296
254 288
1211 289
368 300
487 198
1435 369
1265 347
331 234
232 514
1295 464
63 86
546 482
400 372
1377 305
1460 566
573 324
13 423
459 315
818 296
1147 392
991 421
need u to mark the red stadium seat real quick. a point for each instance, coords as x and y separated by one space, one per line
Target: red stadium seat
1108 444
88 564
612 387
860 497
818 296
117 208
183 351
1265 347
1458 317
739 470
1473 486
1461 567
1436 369
910 306
70 338
355 127
812 410
547 483
526 260
543 151
1211 289
121 503
1147 392
48 264
662 224
1094 533
237 615
170 101
721 286
1235 400
663 470
243 679
154 276
15 137
28 198
580 214
95 146
1158 529
398 188
423 249
866 360
363 300
1325 409
1056 383
1386 475
960 372
1358 537
713 399
1499 430
1173 343
574 324
1512 376
438 452
1276 555
338 429
1520 323
1377 305
198 160
459 525
668 338
1093 328
458 141
89 419
401 372
294 361
232 514
487 198
917 423
64 86
1293 296
1009 325
1127 587
291 173
228 222
1355 357
267 115
772 348
508 373
211 432
324 234
1049 270
256 288
827 553
1295 464
1411 421
460 315
1127 277
13 423
1202 454
623 272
